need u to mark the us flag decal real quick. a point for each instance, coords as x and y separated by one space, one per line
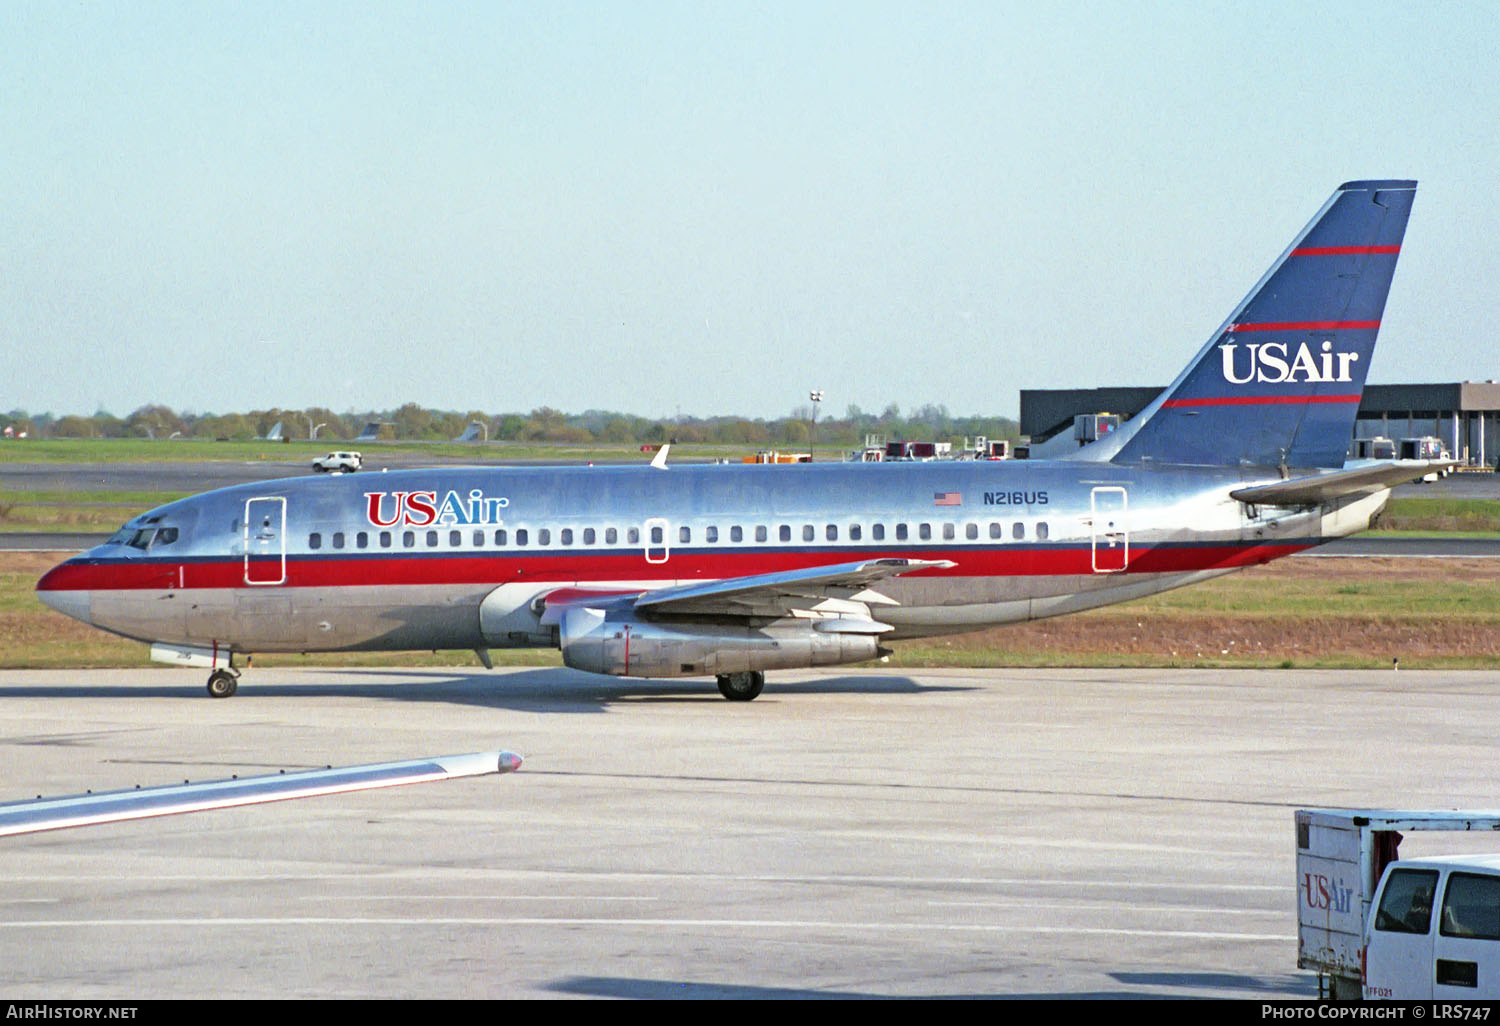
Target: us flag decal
947 498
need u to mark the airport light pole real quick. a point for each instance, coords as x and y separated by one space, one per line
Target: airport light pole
816 395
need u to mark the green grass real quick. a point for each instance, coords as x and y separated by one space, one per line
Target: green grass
90 511
1441 516
1244 595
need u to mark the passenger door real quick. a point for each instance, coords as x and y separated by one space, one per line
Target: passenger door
1108 513
656 540
264 540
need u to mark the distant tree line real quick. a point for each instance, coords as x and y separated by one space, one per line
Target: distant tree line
927 423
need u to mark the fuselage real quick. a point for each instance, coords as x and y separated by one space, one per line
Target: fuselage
463 557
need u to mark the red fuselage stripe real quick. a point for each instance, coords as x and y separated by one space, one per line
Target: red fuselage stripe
504 568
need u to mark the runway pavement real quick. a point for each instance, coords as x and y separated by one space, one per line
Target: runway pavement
944 833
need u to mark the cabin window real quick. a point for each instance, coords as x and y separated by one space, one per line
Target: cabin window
338 539
409 539
809 532
500 536
760 533
831 532
385 539
997 529
479 539
855 532
736 533
611 536
684 534
785 533
657 536
544 536
456 539
971 531
711 534
1018 530
315 540
924 532
901 532
362 539
432 539
522 537
1041 530
633 536
588 536
949 530
877 532
566 535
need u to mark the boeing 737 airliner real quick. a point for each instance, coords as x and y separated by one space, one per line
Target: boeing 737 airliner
729 571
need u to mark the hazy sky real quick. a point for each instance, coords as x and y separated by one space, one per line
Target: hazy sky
711 207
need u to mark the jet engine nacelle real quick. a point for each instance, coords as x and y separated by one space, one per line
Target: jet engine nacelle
618 643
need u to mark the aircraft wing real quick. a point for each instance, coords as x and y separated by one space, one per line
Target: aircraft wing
742 595
1367 479
40 814
836 587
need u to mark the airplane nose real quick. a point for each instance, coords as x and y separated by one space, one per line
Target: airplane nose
54 591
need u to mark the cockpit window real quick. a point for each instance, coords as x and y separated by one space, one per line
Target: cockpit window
143 537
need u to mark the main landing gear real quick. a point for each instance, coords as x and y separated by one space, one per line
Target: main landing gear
223 683
741 687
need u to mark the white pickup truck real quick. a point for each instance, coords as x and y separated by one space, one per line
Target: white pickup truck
338 463
1373 926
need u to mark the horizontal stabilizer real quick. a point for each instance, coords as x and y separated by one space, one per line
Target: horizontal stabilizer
1362 479
40 814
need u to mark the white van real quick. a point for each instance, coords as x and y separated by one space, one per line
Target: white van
1435 930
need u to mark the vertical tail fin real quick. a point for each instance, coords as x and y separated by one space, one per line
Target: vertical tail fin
1280 381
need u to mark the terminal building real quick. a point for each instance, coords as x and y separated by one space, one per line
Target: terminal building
1465 415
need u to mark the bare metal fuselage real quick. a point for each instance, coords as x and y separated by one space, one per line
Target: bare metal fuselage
464 558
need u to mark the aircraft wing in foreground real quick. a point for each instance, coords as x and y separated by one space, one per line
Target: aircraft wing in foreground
29 817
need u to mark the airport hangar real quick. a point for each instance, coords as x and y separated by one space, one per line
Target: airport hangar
1464 414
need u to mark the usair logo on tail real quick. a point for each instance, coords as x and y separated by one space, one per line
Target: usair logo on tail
1267 361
